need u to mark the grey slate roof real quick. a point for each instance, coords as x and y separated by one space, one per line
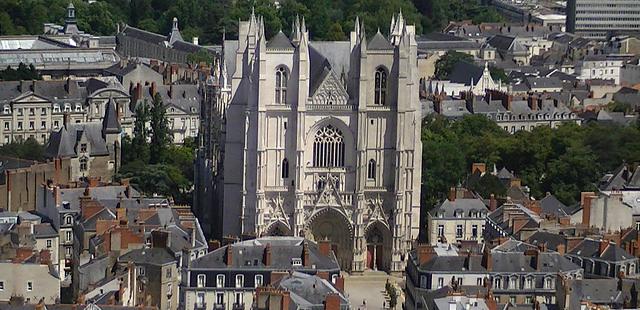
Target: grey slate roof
463 72
465 205
551 205
152 256
309 291
63 143
552 240
280 41
379 42
44 230
110 124
590 248
283 249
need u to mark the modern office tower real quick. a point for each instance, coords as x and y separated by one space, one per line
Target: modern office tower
596 18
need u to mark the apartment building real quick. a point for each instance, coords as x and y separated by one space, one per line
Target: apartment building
595 19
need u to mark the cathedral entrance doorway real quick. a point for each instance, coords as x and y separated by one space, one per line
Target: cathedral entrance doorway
278 229
332 225
378 239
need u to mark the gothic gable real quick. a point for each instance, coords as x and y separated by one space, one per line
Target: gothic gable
331 91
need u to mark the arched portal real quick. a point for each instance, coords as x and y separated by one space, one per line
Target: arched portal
378 238
332 225
278 229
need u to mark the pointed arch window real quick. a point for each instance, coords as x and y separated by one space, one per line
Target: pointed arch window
282 78
328 147
285 169
381 86
371 169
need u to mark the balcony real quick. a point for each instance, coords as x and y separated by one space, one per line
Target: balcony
218 306
200 306
238 306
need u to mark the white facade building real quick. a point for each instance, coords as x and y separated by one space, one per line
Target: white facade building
323 141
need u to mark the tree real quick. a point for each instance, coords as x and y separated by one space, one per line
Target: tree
160 136
498 74
28 149
446 63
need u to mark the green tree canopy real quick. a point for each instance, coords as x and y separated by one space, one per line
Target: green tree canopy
446 63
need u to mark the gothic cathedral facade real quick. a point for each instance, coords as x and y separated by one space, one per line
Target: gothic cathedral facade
323 141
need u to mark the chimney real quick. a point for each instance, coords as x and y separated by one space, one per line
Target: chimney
229 255
127 191
332 302
171 91
603 245
339 285
159 239
324 246
306 260
67 86
586 210
561 248
153 89
453 304
66 120
213 245
452 194
425 253
93 181
266 260
467 260
22 87
277 275
493 203
138 93
33 86
121 214
487 262
195 41
56 195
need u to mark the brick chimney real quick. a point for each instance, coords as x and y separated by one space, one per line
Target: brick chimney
452 194
159 239
586 210
213 245
306 260
266 260
229 256
561 248
602 246
121 214
332 302
487 261
425 253
493 203
153 89
324 246
339 285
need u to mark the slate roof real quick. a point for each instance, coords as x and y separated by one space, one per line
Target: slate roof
283 249
512 262
552 240
280 41
501 42
505 174
543 82
379 42
44 230
591 248
622 178
551 205
599 291
63 143
152 256
309 291
466 205
463 72
185 97
143 35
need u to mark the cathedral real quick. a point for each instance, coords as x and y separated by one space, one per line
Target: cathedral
322 140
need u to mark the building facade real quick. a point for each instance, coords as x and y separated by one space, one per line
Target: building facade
460 219
596 18
323 141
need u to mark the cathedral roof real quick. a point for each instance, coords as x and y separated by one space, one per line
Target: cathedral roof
379 42
280 41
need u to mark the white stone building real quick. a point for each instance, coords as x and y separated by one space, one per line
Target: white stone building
323 141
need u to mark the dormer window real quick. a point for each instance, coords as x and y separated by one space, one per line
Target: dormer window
7 110
380 86
56 109
67 108
296 262
282 78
